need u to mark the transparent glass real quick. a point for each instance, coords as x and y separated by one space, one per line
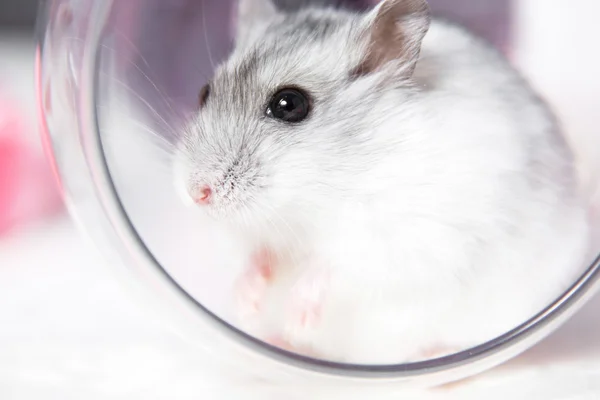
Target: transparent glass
117 81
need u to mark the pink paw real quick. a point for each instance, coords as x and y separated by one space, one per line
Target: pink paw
305 308
436 352
283 344
253 284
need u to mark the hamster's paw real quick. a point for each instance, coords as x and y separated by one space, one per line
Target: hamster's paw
252 286
434 352
304 310
283 344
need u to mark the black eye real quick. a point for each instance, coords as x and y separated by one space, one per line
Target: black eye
204 93
289 105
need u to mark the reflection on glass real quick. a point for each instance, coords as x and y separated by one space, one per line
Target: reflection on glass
364 184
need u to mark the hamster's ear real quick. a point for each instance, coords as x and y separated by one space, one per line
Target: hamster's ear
393 31
251 16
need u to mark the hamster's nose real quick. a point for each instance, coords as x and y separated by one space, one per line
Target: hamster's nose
203 196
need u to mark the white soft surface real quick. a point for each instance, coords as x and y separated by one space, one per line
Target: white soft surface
69 331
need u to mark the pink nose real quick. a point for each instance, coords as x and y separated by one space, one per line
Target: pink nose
203 196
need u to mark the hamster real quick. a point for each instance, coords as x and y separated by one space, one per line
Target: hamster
406 193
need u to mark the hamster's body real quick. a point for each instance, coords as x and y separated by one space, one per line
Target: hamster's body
434 210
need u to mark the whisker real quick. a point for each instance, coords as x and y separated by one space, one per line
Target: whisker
262 208
171 129
123 36
162 141
210 58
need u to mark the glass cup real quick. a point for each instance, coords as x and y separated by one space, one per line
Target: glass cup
116 83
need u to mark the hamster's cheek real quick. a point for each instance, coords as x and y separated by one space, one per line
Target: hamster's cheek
284 186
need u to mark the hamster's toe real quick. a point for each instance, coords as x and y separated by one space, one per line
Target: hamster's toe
283 344
305 306
252 286
434 352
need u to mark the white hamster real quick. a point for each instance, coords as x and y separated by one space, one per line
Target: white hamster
406 192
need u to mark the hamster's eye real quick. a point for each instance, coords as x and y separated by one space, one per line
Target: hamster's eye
204 93
289 105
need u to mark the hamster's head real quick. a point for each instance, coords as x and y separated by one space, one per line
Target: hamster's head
285 125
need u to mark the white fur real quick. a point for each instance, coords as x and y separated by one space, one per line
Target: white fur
439 212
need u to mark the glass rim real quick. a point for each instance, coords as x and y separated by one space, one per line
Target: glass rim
478 358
